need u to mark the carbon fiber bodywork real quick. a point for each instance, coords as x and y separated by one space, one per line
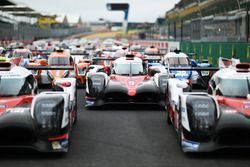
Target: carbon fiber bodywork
116 92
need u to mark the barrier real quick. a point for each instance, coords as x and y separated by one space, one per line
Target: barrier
163 46
213 50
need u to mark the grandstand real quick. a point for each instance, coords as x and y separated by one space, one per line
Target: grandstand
211 28
20 22
210 20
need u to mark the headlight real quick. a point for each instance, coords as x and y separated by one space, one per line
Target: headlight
48 114
96 84
202 113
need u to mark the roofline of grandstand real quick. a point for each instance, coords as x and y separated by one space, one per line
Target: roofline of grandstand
202 9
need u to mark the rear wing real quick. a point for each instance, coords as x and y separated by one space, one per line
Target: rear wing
79 54
50 67
104 58
154 54
194 68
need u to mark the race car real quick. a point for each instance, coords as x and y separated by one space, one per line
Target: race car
179 60
215 120
21 56
42 121
153 55
128 83
78 53
81 71
61 65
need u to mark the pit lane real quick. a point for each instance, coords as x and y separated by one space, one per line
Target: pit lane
123 136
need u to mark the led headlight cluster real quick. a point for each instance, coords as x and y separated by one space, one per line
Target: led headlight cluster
202 114
48 114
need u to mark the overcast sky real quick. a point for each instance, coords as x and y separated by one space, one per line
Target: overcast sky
92 10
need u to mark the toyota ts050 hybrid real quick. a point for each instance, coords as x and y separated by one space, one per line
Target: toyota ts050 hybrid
38 121
214 120
128 83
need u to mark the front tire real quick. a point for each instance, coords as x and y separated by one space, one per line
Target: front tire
180 133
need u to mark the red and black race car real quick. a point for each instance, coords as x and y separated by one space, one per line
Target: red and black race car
38 121
128 83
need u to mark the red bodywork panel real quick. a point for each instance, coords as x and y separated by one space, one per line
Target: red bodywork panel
241 105
131 82
11 102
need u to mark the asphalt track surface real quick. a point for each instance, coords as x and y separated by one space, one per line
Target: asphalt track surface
123 136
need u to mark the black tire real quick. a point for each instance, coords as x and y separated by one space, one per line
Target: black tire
179 132
91 107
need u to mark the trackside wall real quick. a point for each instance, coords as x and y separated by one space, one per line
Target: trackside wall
213 50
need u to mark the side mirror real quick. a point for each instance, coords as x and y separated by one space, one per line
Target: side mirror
154 71
182 85
171 75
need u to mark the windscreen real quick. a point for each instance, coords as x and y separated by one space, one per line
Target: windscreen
14 87
178 61
22 54
132 68
236 88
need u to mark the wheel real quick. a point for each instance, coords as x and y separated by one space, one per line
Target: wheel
91 107
179 132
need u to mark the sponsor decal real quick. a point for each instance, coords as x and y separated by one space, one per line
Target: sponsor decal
3 106
131 83
246 106
190 145
56 145
64 143
183 109
15 110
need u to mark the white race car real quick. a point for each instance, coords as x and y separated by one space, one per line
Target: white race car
214 120
38 121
